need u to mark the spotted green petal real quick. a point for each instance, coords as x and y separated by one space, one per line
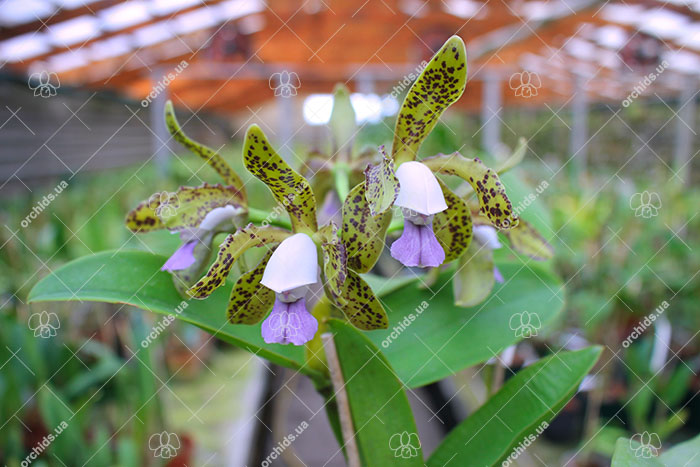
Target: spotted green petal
361 307
361 233
342 122
230 250
525 239
493 201
211 157
440 85
381 185
288 187
144 218
453 226
250 300
474 278
334 268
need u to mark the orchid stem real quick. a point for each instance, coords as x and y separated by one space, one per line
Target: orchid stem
259 216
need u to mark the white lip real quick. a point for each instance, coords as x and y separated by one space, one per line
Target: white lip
420 190
293 264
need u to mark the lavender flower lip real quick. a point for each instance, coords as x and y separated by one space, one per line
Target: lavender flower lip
420 198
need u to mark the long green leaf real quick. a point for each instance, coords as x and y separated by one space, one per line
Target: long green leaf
382 420
134 277
531 397
427 342
630 453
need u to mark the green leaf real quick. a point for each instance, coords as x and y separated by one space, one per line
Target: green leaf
250 300
514 158
359 304
439 85
342 121
379 407
230 250
493 201
381 185
437 339
631 453
474 279
527 400
525 239
362 233
287 186
211 157
453 226
134 278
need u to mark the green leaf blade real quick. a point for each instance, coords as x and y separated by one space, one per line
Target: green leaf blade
379 407
528 399
134 278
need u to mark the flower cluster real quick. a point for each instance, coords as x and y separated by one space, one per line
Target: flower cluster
303 263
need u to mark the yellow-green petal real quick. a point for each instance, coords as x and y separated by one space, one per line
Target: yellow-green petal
230 250
361 307
211 157
493 201
288 187
514 159
334 268
527 240
453 226
439 85
250 300
381 185
342 122
362 234
144 218
474 279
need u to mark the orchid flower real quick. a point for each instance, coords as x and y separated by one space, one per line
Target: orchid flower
297 261
437 223
420 198
197 214
290 272
477 273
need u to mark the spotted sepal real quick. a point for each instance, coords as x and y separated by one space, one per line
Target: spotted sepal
211 157
525 239
381 185
250 300
230 250
361 307
362 234
453 226
493 201
288 187
440 84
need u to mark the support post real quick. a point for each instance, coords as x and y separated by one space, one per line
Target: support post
578 147
491 104
160 140
685 122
